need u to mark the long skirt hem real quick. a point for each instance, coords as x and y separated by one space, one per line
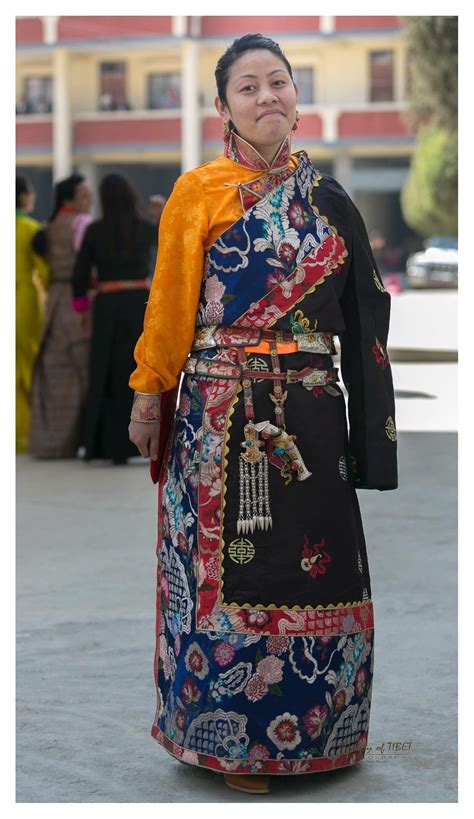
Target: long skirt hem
247 766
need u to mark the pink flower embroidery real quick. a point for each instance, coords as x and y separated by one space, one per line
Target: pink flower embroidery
277 645
360 684
296 215
259 752
283 732
164 587
196 662
270 669
339 699
190 692
274 278
182 543
163 647
185 404
177 644
166 523
224 653
180 719
256 618
314 720
167 670
256 688
214 312
214 289
287 252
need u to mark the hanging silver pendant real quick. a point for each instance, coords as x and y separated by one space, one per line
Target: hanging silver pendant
254 500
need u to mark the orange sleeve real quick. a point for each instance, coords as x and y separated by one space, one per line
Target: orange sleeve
170 314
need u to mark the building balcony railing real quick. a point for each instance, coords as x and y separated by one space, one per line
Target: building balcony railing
336 123
34 133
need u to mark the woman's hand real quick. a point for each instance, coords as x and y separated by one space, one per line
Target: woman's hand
146 437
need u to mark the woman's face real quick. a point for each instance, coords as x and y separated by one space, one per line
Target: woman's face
261 100
27 201
82 198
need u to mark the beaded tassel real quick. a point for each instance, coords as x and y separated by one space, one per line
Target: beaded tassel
254 500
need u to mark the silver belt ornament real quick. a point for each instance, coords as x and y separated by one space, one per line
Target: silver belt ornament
264 442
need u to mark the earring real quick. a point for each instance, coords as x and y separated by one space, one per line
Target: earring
295 124
227 130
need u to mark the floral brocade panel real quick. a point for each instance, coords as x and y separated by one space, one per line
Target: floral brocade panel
248 701
255 705
271 258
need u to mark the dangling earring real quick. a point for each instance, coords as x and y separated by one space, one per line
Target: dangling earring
227 130
295 124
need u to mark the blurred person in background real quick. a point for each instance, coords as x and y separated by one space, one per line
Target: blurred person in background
119 247
60 373
156 203
31 282
265 622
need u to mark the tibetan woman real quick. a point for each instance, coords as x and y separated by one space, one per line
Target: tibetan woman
265 623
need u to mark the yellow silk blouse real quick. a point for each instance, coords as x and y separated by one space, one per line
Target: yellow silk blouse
202 205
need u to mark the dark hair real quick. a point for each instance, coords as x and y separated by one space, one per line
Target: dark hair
249 42
22 187
65 191
120 212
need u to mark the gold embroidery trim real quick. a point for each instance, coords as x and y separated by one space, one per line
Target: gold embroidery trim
390 428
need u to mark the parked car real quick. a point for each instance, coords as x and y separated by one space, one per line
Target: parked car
436 266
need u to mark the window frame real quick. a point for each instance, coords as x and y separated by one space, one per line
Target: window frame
175 75
373 89
47 79
311 68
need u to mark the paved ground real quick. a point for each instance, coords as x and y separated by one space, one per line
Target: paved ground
86 583
426 396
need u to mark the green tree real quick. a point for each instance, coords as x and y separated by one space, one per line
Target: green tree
432 52
429 196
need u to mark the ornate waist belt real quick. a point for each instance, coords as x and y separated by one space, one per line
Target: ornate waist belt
264 441
219 336
214 368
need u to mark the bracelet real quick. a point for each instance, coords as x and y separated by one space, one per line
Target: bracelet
146 408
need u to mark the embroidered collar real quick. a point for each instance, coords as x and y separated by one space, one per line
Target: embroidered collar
239 150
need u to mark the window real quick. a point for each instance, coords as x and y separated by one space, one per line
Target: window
164 91
381 76
37 96
113 94
304 79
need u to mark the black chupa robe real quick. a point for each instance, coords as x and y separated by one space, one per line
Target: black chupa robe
264 655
